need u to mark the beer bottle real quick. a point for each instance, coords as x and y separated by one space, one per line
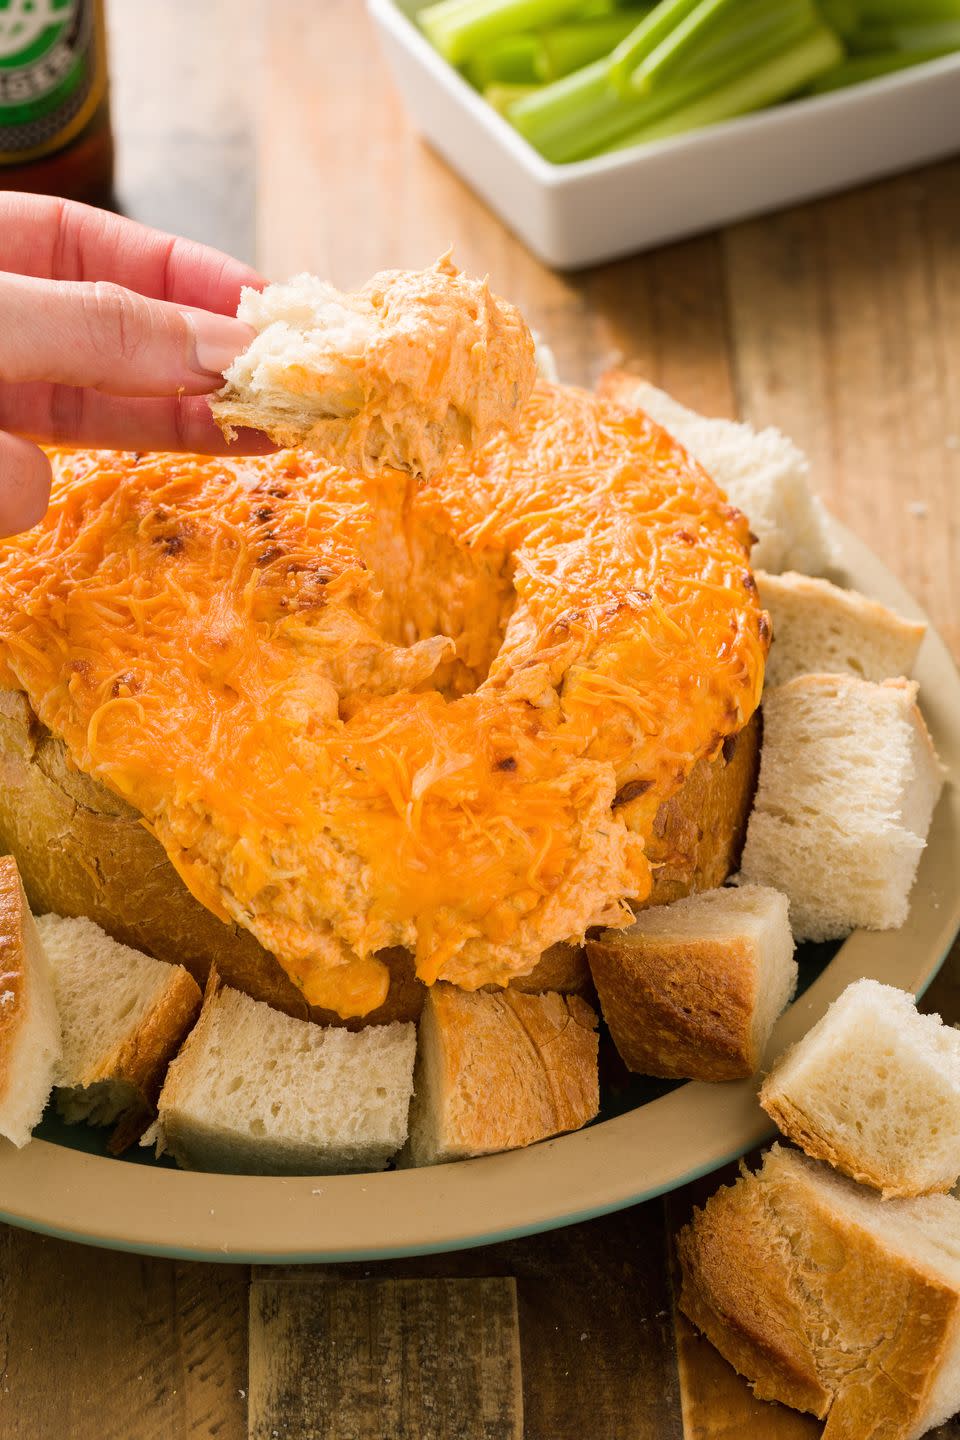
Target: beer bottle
55 134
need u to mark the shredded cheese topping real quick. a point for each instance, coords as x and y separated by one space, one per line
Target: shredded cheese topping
360 712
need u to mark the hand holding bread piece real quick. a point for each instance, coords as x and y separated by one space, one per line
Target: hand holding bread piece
124 1016
761 472
497 1071
401 373
692 989
820 629
255 1092
30 1043
874 1088
828 1298
848 783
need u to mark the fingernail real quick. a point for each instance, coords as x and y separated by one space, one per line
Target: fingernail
217 340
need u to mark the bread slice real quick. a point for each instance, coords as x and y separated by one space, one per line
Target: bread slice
29 1024
760 471
497 1071
255 1092
123 1015
848 784
399 373
830 1299
84 851
692 990
820 629
874 1088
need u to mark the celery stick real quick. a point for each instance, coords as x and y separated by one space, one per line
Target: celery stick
756 23
655 27
457 28
674 49
869 67
578 115
501 97
841 15
723 26
941 35
565 48
780 77
510 61
896 12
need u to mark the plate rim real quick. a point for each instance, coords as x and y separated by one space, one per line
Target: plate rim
60 1192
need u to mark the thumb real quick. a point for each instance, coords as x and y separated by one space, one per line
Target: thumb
103 337
24 484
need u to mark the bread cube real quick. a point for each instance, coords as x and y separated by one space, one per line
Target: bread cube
499 1070
874 1088
848 783
30 1043
256 1092
820 629
123 1015
692 989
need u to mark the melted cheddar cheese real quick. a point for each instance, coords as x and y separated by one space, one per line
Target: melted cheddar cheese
360 712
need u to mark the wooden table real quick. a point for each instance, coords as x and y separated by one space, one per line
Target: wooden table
272 131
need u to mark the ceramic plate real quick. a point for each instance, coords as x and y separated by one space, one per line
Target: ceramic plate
650 1137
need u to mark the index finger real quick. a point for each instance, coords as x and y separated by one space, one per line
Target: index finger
49 238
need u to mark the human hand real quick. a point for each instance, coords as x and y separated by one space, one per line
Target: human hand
110 335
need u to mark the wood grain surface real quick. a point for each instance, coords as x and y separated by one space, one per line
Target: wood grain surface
273 132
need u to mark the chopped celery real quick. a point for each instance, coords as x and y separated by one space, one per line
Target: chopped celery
510 61
535 57
642 41
841 15
565 48
501 97
911 35
869 67
897 12
671 52
779 77
585 113
457 28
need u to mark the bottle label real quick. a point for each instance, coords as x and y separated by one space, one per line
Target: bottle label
53 74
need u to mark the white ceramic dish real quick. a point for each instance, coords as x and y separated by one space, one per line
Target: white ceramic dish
593 210
650 1138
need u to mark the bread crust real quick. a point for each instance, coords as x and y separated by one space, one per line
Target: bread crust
84 851
13 965
698 834
536 1053
683 1021
28 1016
813 1140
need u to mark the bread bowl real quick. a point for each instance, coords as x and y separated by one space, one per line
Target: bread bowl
83 852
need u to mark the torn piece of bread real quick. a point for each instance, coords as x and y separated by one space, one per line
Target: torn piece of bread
848 783
255 1092
692 989
123 1015
830 1299
874 1088
400 373
29 1025
498 1071
820 629
761 472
